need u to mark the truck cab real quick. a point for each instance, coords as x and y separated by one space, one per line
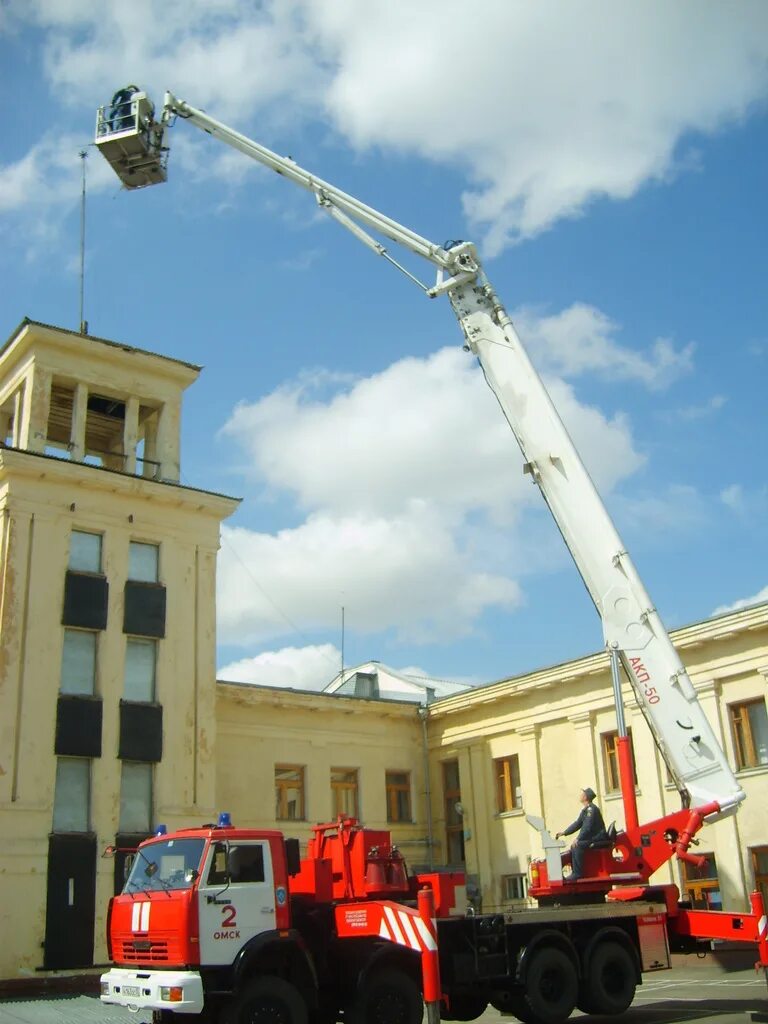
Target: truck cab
199 897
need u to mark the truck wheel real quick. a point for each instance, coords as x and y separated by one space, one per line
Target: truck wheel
268 1001
610 982
510 1004
387 997
465 1007
551 988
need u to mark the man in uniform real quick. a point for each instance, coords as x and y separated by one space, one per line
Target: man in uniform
591 828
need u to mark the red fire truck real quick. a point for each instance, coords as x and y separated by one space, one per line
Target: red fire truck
222 919
229 924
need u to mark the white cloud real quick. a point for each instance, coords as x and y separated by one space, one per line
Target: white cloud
744 602
733 497
411 487
581 339
751 504
422 429
300 668
49 176
545 107
408 573
668 512
694 413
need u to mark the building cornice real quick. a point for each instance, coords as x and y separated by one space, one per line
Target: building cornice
30 331
718 628
312 700
36 466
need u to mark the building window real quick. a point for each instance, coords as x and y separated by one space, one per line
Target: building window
72 797
508 793
398 787
289 792
701 885
78 663
136 798
611 760
85 552
749 722
140 665
760 869
344 792
143 562
454 825
514 887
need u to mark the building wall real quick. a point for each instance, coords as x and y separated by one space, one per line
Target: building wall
41 501
260 727
553 721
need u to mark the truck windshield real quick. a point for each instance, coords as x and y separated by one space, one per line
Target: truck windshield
171 864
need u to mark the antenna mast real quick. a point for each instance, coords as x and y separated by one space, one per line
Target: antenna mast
341 677
83 321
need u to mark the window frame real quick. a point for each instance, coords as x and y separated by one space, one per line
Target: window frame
454 831
610 756
703 890
745 749
86 533
342 786
506 776
521 882
146 769
132 642
59 812
134 545
282 785
94 635
395 791
760 877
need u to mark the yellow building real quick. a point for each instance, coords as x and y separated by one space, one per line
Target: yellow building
111 718
525 745
107 632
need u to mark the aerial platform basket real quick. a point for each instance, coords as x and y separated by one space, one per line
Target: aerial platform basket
131 139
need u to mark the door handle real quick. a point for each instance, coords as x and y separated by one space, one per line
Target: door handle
267 910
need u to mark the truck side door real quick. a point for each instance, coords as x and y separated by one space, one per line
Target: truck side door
236 898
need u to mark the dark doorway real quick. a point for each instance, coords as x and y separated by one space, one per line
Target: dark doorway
71 901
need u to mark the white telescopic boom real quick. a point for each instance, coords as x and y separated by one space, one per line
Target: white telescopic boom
631 626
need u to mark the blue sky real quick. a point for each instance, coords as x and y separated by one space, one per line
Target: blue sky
610 163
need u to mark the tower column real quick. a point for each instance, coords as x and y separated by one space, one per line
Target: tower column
36 408
131 434
168 441
79 415
150 447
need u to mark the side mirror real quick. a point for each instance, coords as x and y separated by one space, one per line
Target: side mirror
292 856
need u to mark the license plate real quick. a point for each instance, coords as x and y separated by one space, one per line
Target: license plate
131 990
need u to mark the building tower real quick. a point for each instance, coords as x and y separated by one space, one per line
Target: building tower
107 632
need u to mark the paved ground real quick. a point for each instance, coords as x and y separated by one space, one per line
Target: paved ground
697 994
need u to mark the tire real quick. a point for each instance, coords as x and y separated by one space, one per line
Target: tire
465 1006
551 988
268 1001
610 980
387 997
511 1004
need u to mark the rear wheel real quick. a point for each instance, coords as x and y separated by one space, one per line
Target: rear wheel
268 1001
387 997
551 988
465 1006
511 1004
610 981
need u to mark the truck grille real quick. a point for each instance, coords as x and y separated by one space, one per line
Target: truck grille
138 951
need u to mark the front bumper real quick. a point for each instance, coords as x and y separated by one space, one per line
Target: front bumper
137 989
